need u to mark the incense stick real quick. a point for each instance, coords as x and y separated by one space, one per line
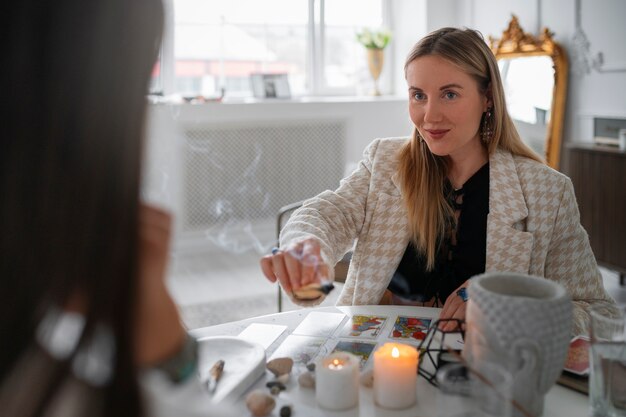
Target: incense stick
314 290
214 375
486 381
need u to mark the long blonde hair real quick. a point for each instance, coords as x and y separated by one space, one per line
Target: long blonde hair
422 174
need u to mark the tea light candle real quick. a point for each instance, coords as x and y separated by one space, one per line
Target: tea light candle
395 375
337 381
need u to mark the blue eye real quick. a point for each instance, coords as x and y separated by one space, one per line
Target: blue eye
419 96
451 95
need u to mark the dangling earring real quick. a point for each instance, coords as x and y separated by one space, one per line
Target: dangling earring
418 136
486 132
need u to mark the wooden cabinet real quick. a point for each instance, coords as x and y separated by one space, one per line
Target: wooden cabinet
599 177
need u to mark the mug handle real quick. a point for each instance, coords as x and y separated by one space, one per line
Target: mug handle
530 362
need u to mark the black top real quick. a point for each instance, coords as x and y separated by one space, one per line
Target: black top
454 263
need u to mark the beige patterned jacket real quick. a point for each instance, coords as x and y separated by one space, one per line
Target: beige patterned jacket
533 227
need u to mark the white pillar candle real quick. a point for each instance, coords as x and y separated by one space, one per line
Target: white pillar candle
395 375
337 381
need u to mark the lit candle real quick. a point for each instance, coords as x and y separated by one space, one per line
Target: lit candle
337 381
395 375
336 364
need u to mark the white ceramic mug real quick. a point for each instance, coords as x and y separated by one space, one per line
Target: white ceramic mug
522 323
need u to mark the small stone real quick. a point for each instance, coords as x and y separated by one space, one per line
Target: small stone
274 391
280 366
285 411
367 378
259 403
311 366
283 379
276 384
306 380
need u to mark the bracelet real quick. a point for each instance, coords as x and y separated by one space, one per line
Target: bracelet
183 364
462 292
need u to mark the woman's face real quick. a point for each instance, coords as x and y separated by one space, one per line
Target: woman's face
445 106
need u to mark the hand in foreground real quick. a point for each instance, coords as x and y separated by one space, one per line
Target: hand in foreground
158 329
297 265
454 308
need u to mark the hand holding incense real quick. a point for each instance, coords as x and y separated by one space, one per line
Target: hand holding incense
313 290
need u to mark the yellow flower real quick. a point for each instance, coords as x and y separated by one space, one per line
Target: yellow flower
374 39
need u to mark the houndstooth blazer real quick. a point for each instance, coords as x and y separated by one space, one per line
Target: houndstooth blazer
533 227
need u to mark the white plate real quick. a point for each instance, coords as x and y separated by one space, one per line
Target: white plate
244 363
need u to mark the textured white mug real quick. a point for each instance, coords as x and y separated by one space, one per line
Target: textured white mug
522 323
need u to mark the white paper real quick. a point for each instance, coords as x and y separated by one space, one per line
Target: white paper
263 334
319 324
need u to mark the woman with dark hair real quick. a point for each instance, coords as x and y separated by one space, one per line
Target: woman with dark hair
462 196
85 317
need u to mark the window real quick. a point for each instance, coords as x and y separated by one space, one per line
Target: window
219 44
344 63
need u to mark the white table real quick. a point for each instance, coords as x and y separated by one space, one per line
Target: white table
560 401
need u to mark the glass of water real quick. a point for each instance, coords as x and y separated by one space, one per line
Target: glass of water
463 393
607 382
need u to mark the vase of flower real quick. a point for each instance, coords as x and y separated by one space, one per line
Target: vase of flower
375 42
375 61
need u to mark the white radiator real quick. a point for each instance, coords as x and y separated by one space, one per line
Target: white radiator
236 177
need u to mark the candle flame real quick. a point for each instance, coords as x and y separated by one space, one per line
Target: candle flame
336 364
395 352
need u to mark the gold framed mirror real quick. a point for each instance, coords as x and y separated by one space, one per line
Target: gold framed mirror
534 74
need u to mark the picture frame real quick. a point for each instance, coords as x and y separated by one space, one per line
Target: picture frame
270 86
606 130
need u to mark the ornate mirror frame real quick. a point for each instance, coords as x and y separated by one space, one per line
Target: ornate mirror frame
515 43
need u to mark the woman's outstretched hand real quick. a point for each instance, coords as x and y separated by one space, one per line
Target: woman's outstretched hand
295 266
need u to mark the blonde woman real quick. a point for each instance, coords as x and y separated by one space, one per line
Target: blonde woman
463 196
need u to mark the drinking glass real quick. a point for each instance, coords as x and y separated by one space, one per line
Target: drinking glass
463 393
607 382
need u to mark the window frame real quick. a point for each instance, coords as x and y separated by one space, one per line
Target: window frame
316 81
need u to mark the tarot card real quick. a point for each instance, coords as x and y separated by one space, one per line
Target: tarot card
577 361
411 328
319 324
362 350
368 327
302 349
264 334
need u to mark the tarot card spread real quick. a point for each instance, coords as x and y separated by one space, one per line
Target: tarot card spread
412 328
368 327
362 350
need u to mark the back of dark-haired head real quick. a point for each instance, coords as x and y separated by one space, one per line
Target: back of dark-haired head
76 73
